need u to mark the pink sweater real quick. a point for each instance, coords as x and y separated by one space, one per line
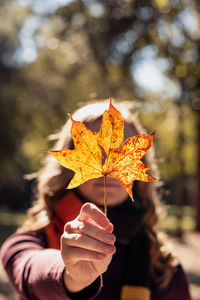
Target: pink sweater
35 271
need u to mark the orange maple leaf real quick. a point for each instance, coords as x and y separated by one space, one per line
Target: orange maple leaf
122 159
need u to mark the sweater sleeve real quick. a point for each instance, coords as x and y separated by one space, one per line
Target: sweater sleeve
177 289
35 271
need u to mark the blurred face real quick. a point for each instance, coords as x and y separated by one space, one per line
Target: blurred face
93 189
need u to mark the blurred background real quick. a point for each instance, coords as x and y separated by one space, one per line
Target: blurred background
57 54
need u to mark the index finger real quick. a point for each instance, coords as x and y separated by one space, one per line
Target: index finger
96 216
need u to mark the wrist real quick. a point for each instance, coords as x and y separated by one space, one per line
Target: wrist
74 286
89 292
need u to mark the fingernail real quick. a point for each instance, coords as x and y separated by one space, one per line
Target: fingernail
81 225
109 227
108 249
109 237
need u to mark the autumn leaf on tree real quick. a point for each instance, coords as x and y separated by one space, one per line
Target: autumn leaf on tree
123 160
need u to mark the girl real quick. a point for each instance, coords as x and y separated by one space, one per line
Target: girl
68 248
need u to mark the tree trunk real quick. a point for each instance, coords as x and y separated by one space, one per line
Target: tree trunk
198 177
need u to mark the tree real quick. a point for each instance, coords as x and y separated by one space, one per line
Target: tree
97 49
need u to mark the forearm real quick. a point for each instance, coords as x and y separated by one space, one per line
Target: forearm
89 292
74 286
35 272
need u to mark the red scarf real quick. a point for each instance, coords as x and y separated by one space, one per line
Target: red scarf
67 209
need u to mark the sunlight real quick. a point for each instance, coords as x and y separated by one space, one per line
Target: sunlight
148 73
44 6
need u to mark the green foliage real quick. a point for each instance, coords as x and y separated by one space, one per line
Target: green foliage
171 223
90 50
170 148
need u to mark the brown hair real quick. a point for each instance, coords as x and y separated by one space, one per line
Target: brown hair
53 179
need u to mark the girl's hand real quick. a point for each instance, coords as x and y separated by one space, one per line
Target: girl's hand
87 246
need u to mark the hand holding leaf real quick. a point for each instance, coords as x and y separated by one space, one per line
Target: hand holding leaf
122 160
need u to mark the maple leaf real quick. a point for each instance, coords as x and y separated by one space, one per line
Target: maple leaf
123 160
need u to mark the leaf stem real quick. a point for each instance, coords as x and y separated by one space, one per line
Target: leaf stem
105 196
